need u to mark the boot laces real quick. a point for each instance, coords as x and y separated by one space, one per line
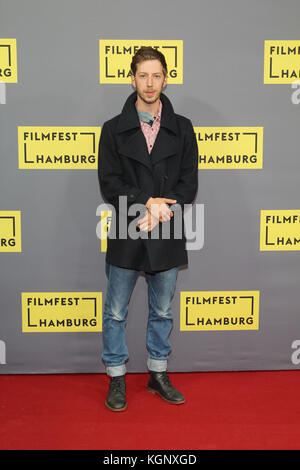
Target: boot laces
117 384
166 380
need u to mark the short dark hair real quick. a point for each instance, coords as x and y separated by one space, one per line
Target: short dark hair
148 53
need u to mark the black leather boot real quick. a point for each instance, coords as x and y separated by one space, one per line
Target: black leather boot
115 400
159 382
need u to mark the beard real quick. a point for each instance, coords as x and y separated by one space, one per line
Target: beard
148 99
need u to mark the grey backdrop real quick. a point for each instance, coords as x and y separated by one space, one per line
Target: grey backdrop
58 85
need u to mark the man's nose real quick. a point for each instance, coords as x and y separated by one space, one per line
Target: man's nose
149 81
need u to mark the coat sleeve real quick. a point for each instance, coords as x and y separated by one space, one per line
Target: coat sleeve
112 183
186 187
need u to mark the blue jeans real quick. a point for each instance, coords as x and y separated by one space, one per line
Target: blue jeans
161 287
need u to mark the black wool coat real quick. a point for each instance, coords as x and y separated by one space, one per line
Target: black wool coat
125 168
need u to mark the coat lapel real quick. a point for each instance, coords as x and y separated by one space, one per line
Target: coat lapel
165 145
135 147
133 140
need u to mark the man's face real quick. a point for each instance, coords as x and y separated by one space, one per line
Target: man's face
149 80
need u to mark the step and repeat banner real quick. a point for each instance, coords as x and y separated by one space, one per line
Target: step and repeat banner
234 70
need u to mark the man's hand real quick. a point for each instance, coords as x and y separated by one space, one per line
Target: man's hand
148 222
157 206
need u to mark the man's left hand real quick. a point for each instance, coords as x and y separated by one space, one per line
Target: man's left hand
148 222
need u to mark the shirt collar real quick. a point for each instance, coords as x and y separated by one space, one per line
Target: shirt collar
129 119
146 117
158 117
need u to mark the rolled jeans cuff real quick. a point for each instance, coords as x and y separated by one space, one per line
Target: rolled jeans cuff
115 371
156 365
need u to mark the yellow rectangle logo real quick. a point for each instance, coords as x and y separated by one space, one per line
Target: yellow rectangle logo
282 61
70 148
8 61
280 230
61 311
115 56
219 310
10 231
229 147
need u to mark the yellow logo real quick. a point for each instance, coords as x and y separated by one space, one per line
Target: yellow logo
282 61
8 61
229 147
10 231
61 311
116 56
280 230
219 310
58 147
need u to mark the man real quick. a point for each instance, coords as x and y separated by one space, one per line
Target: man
147 155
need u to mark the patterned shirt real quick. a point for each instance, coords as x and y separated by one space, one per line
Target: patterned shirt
150 132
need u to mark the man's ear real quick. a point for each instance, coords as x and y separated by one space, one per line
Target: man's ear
133 80
165 80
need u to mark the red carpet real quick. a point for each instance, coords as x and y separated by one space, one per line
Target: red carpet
224 410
